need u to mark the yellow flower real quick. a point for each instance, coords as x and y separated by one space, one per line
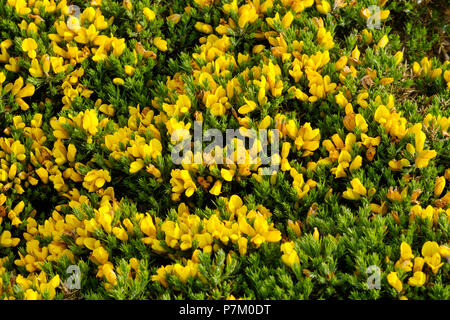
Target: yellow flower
2 199
418 264
405 265
418 279
175 18
183 103
88 15
358 187
356 191
13 65
129 70
30 294
120 233
149 14
118 81
356 53
172 231
444 251
71 152
296 71
316 234
29 46
264 232
160 275
287 19
2 78
416 68
235 204
394 281
383 42
57 64
160 44
100 54
19 92
323 6
7 241
434 262
356 163
4 46
43 174
397 165
50 286
398 57
361 123
100 255
216 188
295 227
307 139
247 14
127 4
430 252
182 181
181 272
203 27
384 14
365 13
405 251
96 179
118 46
242 243
226 174
90 122
35 69
104 218
232 6
92 244
439 186
148 227
423 156
248 107
110 275
136 166
361 99
340 64
87 35
107 109
290 256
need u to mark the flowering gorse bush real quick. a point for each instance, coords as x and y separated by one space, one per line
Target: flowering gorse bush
93 204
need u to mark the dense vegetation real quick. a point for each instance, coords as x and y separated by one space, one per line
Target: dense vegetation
91 93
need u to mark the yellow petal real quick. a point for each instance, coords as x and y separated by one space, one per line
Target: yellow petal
394 281
29 44
418 279
160 43
424 157
227 175
405 251
217 188
419 141
36 70
149 14
430 248
27 91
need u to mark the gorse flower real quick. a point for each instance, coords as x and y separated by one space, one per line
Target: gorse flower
19 91
289 256
96 179
394 281
29 45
